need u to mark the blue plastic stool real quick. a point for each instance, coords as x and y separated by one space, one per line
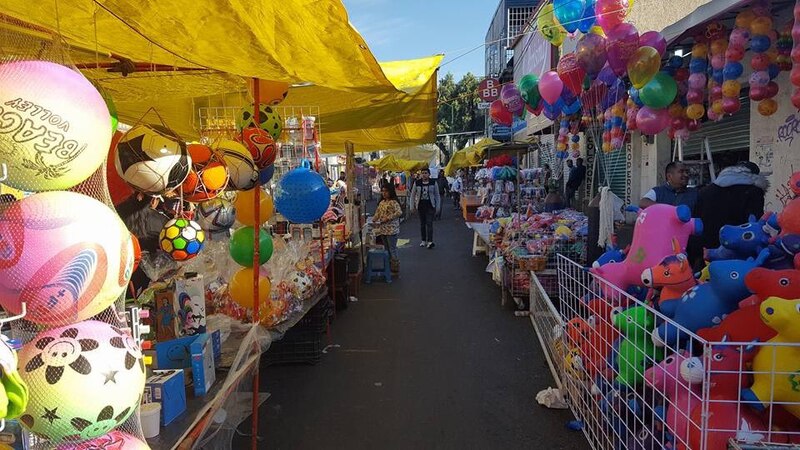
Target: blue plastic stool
370 271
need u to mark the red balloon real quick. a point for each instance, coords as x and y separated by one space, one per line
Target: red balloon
758 93
500 114
734 53
681 74
716 92
759 62
571 73
731 105
610 13
796 99
693 125
678 123
794 76
694 96
772 89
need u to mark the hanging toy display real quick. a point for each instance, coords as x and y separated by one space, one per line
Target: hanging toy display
618 125
698 65
784 47
563 139
575 145
731 87
795 55
719 45
762 88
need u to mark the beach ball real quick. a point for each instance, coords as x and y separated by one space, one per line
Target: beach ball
182 239
302 196
115 440
241 288
65 254
268 120
261 146
85 380
242 246
245 207
242 170
270 92
55 128
208 176
216 215
152 159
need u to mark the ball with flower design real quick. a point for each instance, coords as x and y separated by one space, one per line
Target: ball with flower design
182 239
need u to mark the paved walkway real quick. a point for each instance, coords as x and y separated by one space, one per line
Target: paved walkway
431 361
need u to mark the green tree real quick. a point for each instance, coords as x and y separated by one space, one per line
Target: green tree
458 107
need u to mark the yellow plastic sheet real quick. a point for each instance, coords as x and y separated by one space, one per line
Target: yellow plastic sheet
395 164
424 152
468 156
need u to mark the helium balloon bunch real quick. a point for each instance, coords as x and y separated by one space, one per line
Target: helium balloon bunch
611 13
698 66
591 53
549 27
622 42
731 88
718 48
575 145
795 55
762 88
607 126
563 136
630 114
618 125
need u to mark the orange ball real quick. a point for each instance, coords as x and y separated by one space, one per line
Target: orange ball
700 51
676 111
767 107
270 92
718 47
745 18
215 176
761 25
200 153
731 88
245 207
717 107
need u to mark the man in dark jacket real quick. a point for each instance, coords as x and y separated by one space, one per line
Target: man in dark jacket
576 176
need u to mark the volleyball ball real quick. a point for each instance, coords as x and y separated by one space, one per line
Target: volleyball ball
182 239
216 215
152 159
65 254
55 129
241 167
268 120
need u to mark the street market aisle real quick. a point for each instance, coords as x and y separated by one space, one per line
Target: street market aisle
429 361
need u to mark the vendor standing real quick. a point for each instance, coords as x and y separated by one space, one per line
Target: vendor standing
675 191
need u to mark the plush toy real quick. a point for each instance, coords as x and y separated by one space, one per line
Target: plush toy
706 304
594 336
744 241
682 396
789 218
765 283
742 325
777 366
652 241
613 254
636 351
673 275
784 250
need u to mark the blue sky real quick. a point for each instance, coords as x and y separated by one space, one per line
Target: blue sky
407 29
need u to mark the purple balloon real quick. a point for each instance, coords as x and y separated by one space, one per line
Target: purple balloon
697 81
623 41
654 39
652 121
607 76
591 53
551 111
512 99
615 93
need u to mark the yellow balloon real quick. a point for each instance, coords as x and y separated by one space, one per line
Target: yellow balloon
745 18
761 25
241 288
245 207
700 51
643 66
767 107
731 88
552 31
717 107
597 30
695 111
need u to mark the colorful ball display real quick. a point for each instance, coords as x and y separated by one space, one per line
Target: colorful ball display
65 254
245 208
56 126
152 159
261 146
302 196
241 288
268 120
115 440
85 380
242 170
216 215
208 176
182 239
242 248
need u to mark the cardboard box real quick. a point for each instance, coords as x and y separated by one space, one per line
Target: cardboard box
203 371
175 353
190 305
165 322
168 388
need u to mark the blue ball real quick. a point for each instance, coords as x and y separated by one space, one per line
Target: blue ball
617 121
697 65
773 70
576 138
302 196
675 62
717 76
265 174
732 70
607 125
759 43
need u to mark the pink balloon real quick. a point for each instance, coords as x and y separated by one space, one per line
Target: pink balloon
739 37
772 89
682 134
731 105
511 98
758 93
734 53
760 61
697 81
654 39
713 115
550 87
760 78
718 62
610 13
694 96
652 121
623 40
716 92
616 142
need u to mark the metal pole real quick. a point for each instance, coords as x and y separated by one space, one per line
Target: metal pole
256 267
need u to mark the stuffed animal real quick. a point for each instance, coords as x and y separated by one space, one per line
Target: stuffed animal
594 336
744 241
765 283
742 325
784 251
777 366
705 305
612 254
789 217
681 395
673 275
636 351
655 228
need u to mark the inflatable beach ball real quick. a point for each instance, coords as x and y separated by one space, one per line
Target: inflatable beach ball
302 196
115 440
216 215
242 169
55 128
85 380
152 159
268 120
182 239
65 254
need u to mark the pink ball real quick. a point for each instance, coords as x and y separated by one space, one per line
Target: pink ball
734 53
760 61
739 37
731 105
716 92
718 62
694 96
772 89
758 93
616 142
697 81
760 78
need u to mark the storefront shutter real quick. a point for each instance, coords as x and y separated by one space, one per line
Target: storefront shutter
730 133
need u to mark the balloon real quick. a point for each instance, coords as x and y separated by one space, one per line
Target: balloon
732 70
652 121
739 37
551 111
760 26
694 96
592 96
571 108
571 73
607 75
796 99
529 90
731 88
591 53
569 13
697 65
745 18
623 40
615 93
241 288
302 196
550 86
643 65
759 43
731 105
760 78
697 81
772 89
242 246
546 22
758 93
767 107
500 114
588 18
245 207
511 98
695 111
659 92
610 13
654 39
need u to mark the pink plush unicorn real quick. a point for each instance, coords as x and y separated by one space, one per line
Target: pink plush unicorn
681 395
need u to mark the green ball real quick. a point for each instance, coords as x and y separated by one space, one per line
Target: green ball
659 92
242 246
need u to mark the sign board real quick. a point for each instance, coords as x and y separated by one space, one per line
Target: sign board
484 105
489 90
501 133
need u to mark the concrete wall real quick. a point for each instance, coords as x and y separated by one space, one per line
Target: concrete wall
657 14
649 161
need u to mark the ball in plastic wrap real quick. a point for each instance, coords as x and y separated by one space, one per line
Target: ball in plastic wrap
55 129
182 239
85 380
302 196
268 120
115 440
241 288
241 167
216 215
65 254
152 159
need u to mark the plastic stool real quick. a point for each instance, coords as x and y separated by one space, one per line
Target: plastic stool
370 271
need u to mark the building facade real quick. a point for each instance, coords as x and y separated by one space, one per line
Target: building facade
508 22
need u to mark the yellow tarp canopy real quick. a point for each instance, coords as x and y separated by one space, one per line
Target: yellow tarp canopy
468 156
424 152
395 164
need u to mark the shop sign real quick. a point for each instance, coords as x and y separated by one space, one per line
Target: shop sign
489 90
484 105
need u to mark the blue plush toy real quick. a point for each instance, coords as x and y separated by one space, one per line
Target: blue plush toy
611 255
744 241
705 305
782 252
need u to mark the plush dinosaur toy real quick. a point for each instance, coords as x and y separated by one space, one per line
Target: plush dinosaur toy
744 241
636 351
673 275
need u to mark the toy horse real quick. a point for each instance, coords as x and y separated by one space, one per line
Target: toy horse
744 241
673 275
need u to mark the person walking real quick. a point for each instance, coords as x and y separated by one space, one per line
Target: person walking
387 223
425 199
577 174
456 189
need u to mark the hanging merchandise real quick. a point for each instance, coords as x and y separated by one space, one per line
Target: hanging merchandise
659 92
245 208
268 120
549 27
511 99
697 82
182 239
611 13
261 146
733 68
652 121
762 88
208 176
719 46
242 246
216 215
550 86
794 76
500 114
591 53
242 289
302 196
152 159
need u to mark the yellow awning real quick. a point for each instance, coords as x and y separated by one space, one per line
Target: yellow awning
394 164
468 156
424 152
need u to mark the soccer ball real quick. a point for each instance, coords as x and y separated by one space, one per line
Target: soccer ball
182 239
268 120
152 159
261 145
241 167
216 215
208 176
